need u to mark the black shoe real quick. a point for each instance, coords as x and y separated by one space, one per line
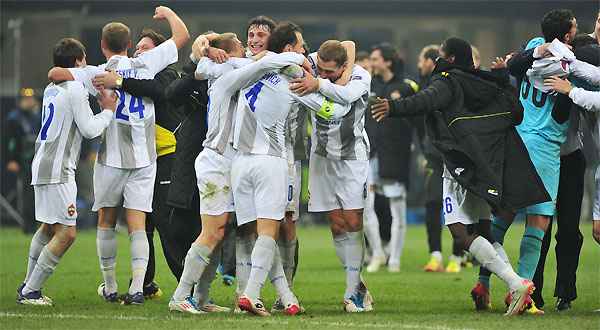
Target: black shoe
563 305
152 291
133 299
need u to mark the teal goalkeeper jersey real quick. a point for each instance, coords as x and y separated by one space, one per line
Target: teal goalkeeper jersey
538 106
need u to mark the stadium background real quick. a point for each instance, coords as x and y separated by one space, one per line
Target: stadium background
28 31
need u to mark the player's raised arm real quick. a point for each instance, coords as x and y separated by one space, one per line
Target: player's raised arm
179 31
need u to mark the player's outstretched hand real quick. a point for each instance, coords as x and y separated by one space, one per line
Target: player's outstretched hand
499 63
107 99
162 12
380 109
106 80
305 85
558 84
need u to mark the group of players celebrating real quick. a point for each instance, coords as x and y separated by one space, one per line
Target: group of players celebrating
258 98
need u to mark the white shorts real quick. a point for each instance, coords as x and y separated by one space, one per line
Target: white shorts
336 184
213 174
461 206
56 203
597 201
390 188
294 187
259 187
132 188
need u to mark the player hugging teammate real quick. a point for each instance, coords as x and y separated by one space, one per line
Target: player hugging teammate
259 97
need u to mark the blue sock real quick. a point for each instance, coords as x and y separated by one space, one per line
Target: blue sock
531 245
499 228
485 280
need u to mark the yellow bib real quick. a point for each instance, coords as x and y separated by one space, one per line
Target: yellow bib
165 141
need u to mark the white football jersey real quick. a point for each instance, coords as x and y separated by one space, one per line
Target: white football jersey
129 141
66 116
345 138
222 101
263 109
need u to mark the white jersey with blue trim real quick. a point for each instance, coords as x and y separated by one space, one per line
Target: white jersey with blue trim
129 141
345 138
222 101
263 108
66 117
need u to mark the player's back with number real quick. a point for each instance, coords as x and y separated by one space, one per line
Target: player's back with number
66 118
129 141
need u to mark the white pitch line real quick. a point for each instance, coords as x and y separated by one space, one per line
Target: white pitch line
60 316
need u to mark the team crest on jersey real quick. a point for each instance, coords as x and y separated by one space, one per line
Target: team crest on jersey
71 210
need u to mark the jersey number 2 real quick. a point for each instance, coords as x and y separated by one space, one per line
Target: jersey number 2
47 115
135 105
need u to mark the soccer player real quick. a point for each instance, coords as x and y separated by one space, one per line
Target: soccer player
260 166
66 117
590 101
126 167
543 130
456 86
339 164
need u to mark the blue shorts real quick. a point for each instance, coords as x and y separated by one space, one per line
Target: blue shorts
545 156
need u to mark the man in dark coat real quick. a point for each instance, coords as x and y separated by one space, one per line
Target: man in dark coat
471 118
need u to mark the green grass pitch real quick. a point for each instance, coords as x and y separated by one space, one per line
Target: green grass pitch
410 299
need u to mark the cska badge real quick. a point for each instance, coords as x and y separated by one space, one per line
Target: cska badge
71 210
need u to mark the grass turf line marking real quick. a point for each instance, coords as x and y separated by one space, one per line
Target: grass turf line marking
61 316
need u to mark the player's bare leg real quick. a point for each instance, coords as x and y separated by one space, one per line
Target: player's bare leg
48 258
106 243
196 261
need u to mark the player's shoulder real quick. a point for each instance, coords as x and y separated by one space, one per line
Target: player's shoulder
359 73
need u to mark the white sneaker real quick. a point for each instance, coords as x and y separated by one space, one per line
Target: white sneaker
211 307
394 268
376 263
188 305
519 297
353 305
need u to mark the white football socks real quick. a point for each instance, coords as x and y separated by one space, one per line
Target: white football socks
202 288
287 252
38 241
243 261
106 244
354 251
45 266
197 258
398 229
262 261
140 253
485 253
371 226
278 279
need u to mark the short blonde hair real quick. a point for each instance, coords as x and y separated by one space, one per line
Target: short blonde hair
333 50
116 36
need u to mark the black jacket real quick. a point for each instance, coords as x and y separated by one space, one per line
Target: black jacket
470 118
192 95
168 115
391 140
